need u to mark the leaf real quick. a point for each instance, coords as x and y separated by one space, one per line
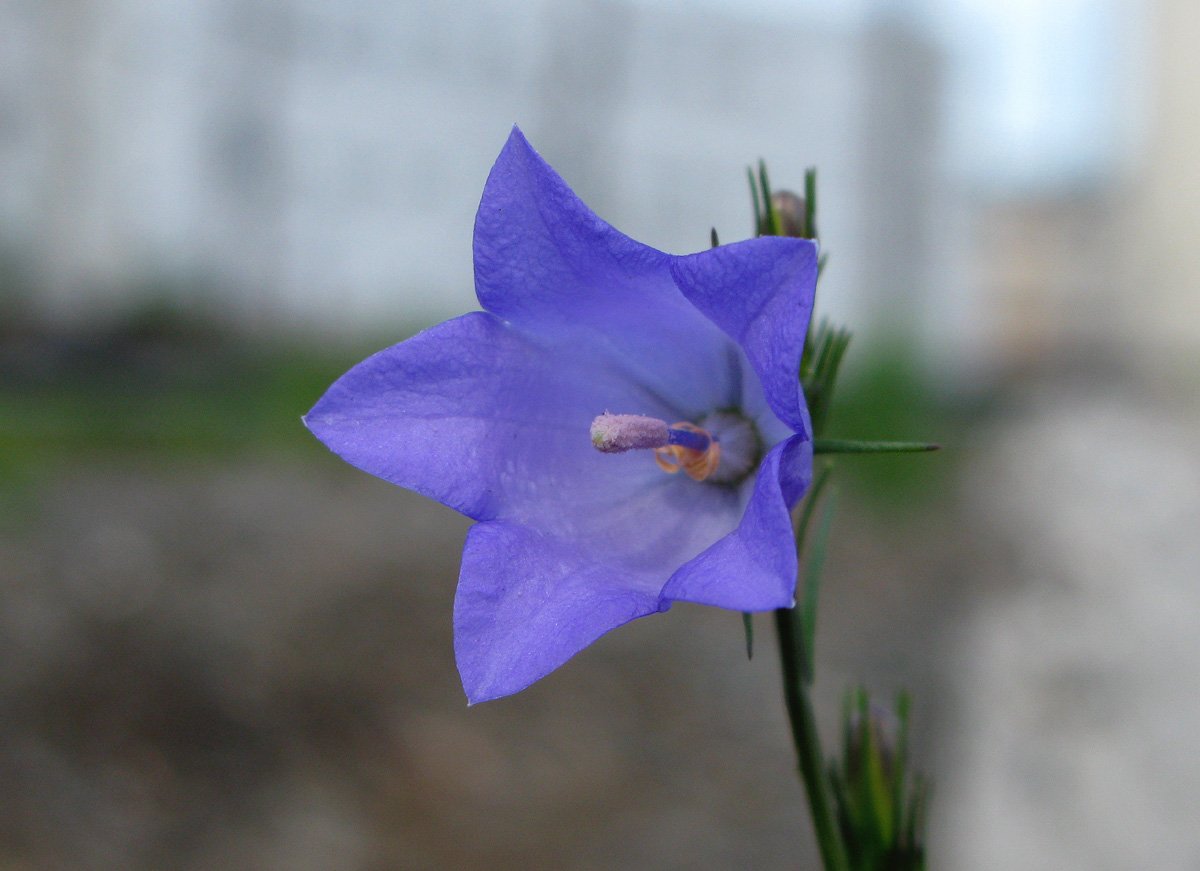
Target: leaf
819 366
771 216
758 215
852 446
812 582
811 574
810 202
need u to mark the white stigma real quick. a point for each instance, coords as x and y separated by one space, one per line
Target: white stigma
617 433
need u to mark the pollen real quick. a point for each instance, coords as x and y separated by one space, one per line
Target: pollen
617 433
696 464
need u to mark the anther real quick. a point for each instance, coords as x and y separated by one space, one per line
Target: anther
697 462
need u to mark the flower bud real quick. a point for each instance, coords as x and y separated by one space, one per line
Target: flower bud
871 740
792 212
880 803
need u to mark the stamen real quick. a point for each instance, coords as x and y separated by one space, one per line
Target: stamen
697 462
680 446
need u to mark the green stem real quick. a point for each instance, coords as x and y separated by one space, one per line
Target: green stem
808 741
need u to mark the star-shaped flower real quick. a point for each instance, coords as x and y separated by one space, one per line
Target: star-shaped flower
560 415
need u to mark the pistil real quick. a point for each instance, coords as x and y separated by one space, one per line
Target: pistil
723 448
617 433
679 446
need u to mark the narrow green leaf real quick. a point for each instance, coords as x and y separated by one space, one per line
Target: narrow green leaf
880 795
819 366
810 204
900 773
758 215
918 816
812 343
713 238
849 701
748 625
807 596
852 799
875 791
812 582
838 343
843 801
820 479
772 217
851 446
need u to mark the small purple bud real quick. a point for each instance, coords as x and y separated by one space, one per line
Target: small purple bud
792 212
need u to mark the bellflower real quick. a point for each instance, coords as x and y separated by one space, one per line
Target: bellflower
627 426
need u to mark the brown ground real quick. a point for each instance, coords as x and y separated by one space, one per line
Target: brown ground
249 666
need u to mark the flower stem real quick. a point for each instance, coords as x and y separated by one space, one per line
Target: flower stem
808 741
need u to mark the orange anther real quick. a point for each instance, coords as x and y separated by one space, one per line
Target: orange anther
698 465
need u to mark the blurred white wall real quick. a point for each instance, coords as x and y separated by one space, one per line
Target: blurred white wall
1159 253
998 179
1074 737
320 164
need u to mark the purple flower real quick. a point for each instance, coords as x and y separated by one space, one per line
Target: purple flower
558 416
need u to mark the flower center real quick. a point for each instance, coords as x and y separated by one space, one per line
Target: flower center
723 448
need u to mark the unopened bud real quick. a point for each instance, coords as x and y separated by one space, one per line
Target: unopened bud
880 800
876 733
792 212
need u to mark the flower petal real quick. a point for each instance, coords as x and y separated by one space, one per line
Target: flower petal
483 419
547 263
753 568
527 603
760 292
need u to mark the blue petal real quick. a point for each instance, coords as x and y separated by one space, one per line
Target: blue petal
548 264
526 604
760 292
483 419
753 568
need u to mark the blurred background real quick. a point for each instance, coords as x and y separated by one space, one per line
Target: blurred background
221 647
